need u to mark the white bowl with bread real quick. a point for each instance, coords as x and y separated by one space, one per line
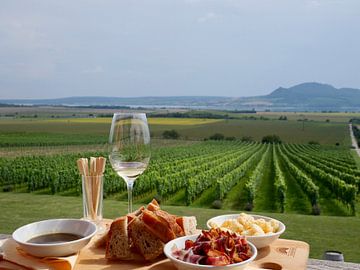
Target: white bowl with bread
54 237
259 230
185 262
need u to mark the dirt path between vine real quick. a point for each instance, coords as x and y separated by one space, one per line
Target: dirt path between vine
353 141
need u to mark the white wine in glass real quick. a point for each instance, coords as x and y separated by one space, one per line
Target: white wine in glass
130 148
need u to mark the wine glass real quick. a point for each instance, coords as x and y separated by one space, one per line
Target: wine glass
130 148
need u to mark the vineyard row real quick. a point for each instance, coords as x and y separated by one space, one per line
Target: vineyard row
197 168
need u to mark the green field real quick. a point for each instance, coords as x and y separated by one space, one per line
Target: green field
339 117
321 232
68 112
289 131
74 131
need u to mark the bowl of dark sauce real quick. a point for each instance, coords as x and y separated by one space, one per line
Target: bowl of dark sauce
54 237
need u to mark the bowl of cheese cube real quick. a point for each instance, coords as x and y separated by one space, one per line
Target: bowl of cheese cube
259 230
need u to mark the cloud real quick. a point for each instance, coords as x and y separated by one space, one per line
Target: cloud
23 33
314 3
210 16
93 70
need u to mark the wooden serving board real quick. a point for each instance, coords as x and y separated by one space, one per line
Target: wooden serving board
282 254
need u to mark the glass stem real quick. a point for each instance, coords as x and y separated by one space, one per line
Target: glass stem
130 185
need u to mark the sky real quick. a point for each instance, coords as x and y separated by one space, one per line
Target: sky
51 49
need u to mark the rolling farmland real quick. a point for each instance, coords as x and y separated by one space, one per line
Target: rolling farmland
38 156
291 181
23 132
290 178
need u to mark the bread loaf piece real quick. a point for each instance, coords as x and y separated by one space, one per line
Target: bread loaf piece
171 221
188 224
134 214
153 205
142 234
157 226
118 246
144 241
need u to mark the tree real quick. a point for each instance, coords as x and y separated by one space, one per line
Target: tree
217 137
271 139
247 139
170 134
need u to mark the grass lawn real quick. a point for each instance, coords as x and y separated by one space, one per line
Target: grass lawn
321 232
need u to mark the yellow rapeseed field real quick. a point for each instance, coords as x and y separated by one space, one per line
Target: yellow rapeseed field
181 121
79 120
152 121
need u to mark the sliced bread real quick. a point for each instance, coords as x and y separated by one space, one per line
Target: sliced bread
157 226
171 221
118 246
153 205
149 246
134 214
188 224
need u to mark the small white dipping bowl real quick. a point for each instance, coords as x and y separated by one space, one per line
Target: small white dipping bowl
83 228
179 243
259 241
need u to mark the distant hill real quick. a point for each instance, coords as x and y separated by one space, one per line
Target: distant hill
316 95
302 97
176 101
306 97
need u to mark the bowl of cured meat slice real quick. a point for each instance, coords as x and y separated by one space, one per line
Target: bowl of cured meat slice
212 249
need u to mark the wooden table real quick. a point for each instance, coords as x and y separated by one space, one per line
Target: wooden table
313 264
330 265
